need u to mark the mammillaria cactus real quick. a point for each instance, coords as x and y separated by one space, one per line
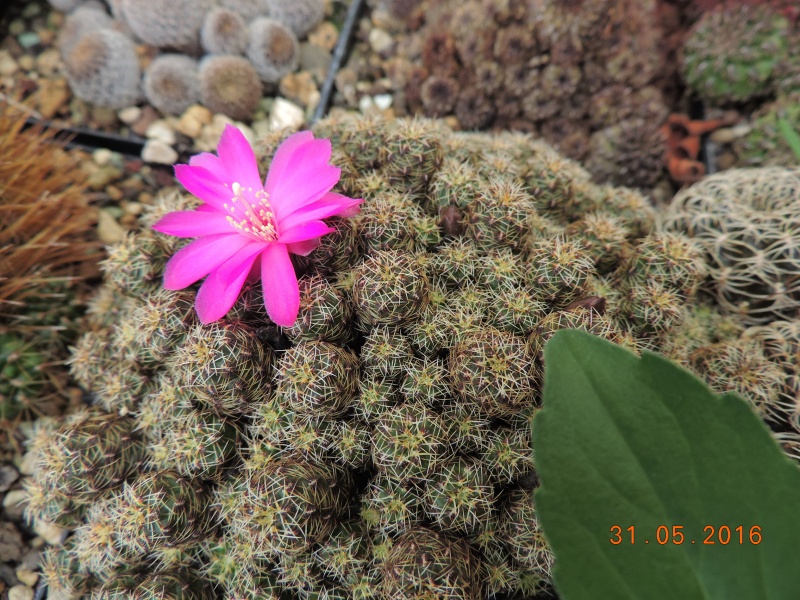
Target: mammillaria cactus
765 145
382 447
734 51
273 49
102 68
301 16
175 25
229 85
171 83
224 32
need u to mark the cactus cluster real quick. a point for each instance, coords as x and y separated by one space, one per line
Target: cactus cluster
585 76
240 51
380 447
734 53
765 144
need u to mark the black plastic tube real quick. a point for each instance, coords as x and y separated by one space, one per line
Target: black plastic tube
339 53
88 139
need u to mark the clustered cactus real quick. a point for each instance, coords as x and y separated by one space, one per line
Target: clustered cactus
380 447
765 144
583 75
735 52
241 49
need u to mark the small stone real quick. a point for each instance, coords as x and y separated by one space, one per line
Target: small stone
366 104
200 113
380 41
10 543
28 577
146 118
52 96
285 115
114 193
28 463
7 577
261 128
156 151
8 475
26 62
17 27
189 126
161 131
314 59
20 592
48 63
383 101
100 178
102 156
8 66
52 534
129 115
300 88
108 230
30 560
103 117
325 35
727 135
46 36
28 39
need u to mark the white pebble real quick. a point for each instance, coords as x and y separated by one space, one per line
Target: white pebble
285 114
108 230
366 103
130 115
156 151
383 101
161 131
28 462
52 534
8 66
14 502
102 156
28 577
20 592
380 40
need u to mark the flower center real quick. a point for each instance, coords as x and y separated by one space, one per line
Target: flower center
255 220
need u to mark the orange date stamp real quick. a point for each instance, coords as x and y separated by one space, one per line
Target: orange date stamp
722 535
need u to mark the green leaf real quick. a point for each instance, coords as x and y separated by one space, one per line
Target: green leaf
641 442
790 135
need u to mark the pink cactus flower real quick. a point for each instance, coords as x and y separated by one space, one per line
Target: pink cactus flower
246 228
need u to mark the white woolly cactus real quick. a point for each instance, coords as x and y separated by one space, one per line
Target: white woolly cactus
102 68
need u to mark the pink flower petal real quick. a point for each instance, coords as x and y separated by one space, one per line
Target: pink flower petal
304 180
202 256
203 184
209 162
282 161
192 223
330 204
304 248
238 159
279 281
305 231
221 288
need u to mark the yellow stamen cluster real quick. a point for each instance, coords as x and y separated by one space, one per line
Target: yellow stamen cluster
258 222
